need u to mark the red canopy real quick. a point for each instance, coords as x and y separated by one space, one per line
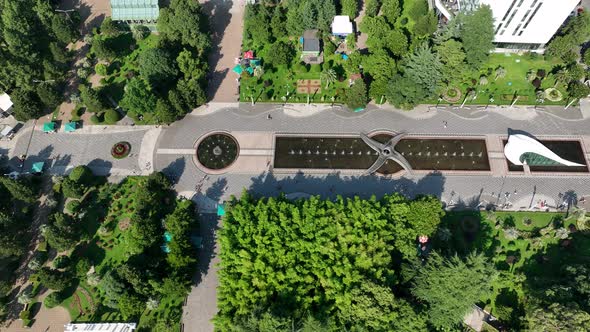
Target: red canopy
249 55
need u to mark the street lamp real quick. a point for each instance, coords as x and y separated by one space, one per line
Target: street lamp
41 81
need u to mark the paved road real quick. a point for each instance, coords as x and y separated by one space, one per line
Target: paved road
226 18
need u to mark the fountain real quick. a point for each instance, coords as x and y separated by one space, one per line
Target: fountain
217 151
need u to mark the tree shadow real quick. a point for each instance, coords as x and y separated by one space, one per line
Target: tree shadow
174 169
100 167
218 12
216 190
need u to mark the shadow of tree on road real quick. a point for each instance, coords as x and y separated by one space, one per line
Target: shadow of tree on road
218 12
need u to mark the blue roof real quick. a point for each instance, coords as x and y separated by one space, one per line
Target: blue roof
135 10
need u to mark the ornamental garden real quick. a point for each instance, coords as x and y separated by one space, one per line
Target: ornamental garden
402 57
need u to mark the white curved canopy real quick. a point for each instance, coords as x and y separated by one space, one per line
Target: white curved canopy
519 144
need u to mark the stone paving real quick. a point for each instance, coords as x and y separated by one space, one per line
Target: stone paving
90 146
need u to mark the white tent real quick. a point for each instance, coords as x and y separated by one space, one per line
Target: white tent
341 25
101 327
5 102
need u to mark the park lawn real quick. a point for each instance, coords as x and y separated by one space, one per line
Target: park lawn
503 89
110 250
281 80
526 249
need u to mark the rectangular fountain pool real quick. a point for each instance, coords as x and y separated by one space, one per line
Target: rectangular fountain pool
294 152
568 150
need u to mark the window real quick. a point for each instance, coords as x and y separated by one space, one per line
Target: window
520 3
525 15
511 17
516 30
498 28
520 33
501 33
509 10
534 3
531 17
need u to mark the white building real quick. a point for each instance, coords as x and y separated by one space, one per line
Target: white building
519 24
5 103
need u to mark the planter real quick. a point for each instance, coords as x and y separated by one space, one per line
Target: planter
452 95
553 94
120 150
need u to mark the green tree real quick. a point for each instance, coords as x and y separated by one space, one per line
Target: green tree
131 306
372 306
426 25
418 10
20 28
437 284
81 174
390 10
404 93
145 232
53 300
65 27
372 7
192 93
190 65
91 99
350 8
452 57
280 53
179 224
111 116
328 76
396 42
27 105
62 233
477 35
54 279
109 28
164 112
18 190
103 49
278 23
72 189
558 317
356 96
157 66
138 97
184 21
424 68
113 287
140 32
379 65
49 95
577 90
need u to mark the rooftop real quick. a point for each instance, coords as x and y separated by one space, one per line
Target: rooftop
5 102
311 43
341 25
101 327
135 10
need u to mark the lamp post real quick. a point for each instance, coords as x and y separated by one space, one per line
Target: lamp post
570 103
41 81
514 102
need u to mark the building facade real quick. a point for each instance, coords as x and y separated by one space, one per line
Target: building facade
518 24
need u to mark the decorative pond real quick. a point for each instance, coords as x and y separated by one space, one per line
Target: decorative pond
568 150
217 151
352 153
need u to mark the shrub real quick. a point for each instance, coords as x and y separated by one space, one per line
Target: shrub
503 312
101 69
71 189
53 300
536 83
61 261
95 119
111 116
81 174
24 315
82 267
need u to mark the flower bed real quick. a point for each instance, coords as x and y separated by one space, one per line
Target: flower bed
553 94
452 95
121 150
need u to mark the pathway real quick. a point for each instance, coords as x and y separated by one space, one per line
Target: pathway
226 18
361 42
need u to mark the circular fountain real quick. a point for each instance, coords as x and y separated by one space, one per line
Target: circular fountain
216 152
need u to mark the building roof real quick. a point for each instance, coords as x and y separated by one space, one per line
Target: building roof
101 327
5 102
311 43
341 25
135 10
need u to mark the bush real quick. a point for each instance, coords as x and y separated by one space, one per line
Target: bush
81 174
53 300
82 267
111 116
101 69
61 262
24 315
95 119
71 189
73 206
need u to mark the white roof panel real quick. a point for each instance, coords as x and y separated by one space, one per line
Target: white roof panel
341 25
5 102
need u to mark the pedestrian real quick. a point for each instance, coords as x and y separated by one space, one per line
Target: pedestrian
269 117
445 124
